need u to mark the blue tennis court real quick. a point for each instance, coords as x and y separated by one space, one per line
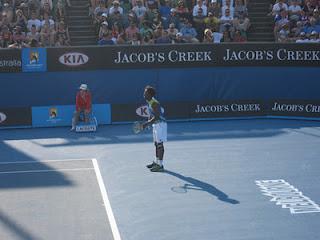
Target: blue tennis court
225 180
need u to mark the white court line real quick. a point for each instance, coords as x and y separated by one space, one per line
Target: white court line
46 161
112 220
51 170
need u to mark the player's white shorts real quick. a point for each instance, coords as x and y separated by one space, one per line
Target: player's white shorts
159 132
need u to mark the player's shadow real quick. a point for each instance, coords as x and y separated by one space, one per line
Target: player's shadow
195 184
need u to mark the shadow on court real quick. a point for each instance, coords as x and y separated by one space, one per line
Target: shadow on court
197 185
114 134
16 230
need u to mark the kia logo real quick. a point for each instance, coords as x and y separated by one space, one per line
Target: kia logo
3 117
143 111
73 59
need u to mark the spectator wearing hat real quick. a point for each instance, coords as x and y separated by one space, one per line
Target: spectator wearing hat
302 38
115 8
83 105
174 18
207 36
182 11
103 29
179 39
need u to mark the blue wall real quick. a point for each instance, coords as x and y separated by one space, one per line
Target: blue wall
195 84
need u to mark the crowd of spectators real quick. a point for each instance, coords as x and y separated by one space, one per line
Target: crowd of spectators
33 23
143 22
296 20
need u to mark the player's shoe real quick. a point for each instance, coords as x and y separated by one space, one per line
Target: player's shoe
157 168
72 129
151 165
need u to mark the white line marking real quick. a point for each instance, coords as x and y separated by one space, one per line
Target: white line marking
112 220
51 170
46 161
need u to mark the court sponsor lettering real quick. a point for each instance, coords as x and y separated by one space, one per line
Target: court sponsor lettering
286 195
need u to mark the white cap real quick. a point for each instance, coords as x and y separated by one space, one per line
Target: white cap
83 87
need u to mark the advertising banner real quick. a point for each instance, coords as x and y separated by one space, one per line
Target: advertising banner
34 60
138 112
294 108
182 56
52 116
10 117
10 60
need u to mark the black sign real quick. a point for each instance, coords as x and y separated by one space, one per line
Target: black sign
15 117
10 60
242 108
185 55
297 108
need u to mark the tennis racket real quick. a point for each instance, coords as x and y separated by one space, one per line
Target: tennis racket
137 127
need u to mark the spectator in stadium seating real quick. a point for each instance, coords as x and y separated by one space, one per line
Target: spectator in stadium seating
131 31
152 4
46 2
174 18
281 21
294 10
242 23
172 31
314 37
302 38
179 39
5 36
226 36
227 6
83 105
189 33
145 29
18 36
215 8
207 36
34 7
202 5
8 10
136 40
182 11
164 38
226 21
115 8
277 7
216 35
103 29
139 10
47 36
199 25
62 30
61 41
238 37
106 39
311 26
316 15
5 21
157 31
60 12
33 34
122 39
211 21
148 39
240 9
48 20
34 21
21 19
164 11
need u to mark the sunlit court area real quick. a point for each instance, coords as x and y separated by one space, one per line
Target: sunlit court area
159 120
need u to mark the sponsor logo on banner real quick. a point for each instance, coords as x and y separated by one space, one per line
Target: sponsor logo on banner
10 60
3 117
302 108
143 111
11 117
34 60
224 109
73 59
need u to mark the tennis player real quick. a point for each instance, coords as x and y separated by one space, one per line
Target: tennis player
159 127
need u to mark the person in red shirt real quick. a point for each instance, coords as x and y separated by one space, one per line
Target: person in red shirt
83 105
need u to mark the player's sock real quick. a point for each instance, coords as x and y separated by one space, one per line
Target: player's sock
160 162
